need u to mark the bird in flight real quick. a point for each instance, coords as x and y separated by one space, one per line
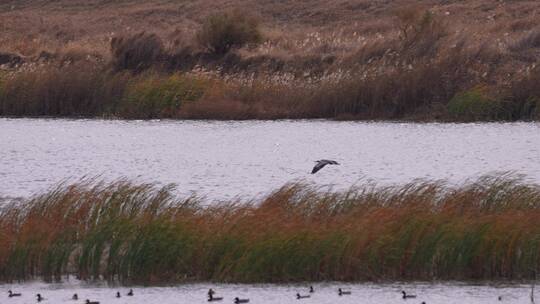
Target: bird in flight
321 163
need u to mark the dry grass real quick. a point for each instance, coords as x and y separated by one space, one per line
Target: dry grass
221 32
360 59
137 53
483 229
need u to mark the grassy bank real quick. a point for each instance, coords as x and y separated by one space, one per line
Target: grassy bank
361 59
485 229
430 92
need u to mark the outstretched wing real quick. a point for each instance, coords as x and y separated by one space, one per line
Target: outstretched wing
318 167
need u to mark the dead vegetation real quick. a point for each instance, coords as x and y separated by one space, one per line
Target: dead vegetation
344 59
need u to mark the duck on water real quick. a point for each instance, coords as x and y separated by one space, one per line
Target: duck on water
407 296
211 297
343 292
299 296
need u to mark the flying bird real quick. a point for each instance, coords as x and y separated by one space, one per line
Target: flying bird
321 163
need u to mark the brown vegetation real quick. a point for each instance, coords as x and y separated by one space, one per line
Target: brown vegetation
221 32
137 53
359 59
483 229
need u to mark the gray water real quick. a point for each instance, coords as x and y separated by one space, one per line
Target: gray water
453 293
226 159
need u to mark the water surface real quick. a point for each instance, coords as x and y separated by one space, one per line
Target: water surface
453 293
225 159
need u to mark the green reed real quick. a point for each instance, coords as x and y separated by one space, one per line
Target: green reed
141 233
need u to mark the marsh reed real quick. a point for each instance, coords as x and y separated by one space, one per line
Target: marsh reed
140 233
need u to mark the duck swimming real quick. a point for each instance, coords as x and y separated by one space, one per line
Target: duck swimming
342 292
91 302
39 297
11 294
311 290
118 294
238 300
406 296
299 296
130 293
75 297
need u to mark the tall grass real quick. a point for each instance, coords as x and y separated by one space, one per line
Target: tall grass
140 233
414 65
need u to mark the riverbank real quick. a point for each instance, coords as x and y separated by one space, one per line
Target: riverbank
433 61
140 233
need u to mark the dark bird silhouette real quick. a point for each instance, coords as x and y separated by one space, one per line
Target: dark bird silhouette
342 292
238 300
407 296
211 297
321 163
118 294
11 294
299 296
130 292
39 297
311 290
91 302
75 297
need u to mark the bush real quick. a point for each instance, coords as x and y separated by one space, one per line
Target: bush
420 32
475 104
221 32
137 52
157 96
529 41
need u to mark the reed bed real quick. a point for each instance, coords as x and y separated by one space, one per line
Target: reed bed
414 62
140 233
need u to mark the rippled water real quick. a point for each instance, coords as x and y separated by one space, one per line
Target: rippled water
324 294
225 159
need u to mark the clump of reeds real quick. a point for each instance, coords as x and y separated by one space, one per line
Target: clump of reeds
74 90
137 52
223 31
483 229
161 96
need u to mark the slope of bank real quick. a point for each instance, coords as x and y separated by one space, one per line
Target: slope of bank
245 59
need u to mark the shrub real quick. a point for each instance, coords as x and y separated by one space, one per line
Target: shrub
420 31
158 96
529 41
137 52
221 32
475 104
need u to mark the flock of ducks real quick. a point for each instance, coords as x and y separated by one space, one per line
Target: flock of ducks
75 296
211 296
341 292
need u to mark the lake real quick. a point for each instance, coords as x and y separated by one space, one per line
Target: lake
448 293
221 159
